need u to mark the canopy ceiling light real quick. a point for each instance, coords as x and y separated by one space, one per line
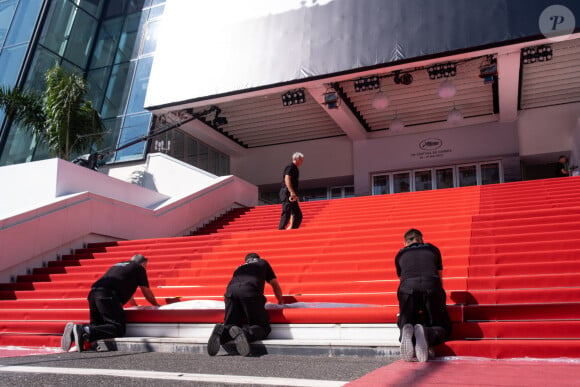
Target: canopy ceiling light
293 97
380 101
447 89
397 125
454 116
369 83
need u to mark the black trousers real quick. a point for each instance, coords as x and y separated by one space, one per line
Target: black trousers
248 312
290 210
107 315
422 301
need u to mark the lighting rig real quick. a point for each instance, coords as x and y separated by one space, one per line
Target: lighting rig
91 160
537 54
444 70
293 97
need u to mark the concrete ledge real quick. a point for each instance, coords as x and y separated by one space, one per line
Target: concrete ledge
279 347
325 334
375 340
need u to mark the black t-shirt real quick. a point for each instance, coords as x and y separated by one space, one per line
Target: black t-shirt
251 277
123 279
292 171
559 168
418 260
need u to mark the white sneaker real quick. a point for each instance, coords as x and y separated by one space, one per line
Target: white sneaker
407 349
421 343
67 337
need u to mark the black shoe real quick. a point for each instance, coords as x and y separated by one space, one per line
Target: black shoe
421 343
67 337
407 349
214 342
79 333
239 337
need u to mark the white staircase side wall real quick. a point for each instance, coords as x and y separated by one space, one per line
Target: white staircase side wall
52 207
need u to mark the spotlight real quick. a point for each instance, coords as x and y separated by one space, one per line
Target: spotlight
331 100
404 79
363 84
488 72
293 97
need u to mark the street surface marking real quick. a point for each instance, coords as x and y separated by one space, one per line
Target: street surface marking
208 378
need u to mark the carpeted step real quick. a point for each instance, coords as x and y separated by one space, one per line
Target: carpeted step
517 330
508 273
550 311
505 349
29 340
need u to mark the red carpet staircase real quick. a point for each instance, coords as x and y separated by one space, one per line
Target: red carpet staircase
511 268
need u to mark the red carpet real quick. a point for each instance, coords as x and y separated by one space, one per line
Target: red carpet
474 372
511 256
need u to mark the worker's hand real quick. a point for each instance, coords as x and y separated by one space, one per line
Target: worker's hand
293 197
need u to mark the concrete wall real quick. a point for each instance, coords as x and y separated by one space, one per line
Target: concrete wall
34 184
489 141
575 154
322 159
547 130
536 132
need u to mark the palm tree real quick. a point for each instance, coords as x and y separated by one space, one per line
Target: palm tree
61 117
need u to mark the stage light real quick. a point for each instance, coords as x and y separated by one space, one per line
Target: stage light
331 100
536 54
439 71
403 79
293 97
369 83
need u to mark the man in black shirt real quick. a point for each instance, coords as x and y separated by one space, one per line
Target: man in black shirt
422 301
106 299
246 318
291 214
562 167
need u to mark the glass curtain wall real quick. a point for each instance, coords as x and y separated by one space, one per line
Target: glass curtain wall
119 73
18 20
111 42
437 178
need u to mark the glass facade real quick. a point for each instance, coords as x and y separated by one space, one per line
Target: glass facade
18 20
437 178
179 145
112 44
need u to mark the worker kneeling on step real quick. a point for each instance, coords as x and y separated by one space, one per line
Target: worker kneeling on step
246 319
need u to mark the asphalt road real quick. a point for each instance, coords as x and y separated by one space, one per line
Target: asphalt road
181 369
